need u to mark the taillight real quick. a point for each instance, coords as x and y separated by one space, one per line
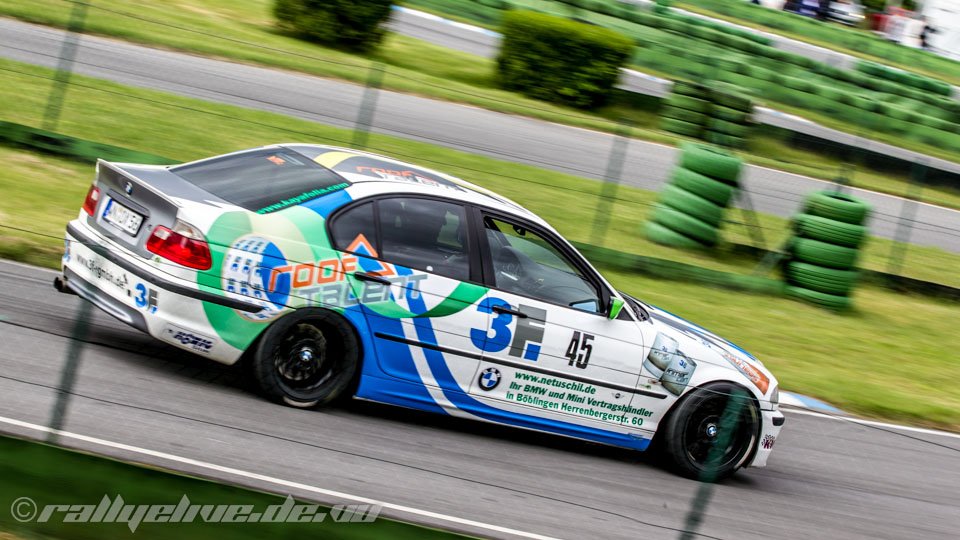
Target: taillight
90 203
184 244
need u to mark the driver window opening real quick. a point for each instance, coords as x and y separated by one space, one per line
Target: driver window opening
527 264
425 234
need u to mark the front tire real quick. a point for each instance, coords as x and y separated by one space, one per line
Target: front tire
710 433
306 359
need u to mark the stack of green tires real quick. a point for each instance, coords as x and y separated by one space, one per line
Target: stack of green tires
692 205
730 119
686 110
823 253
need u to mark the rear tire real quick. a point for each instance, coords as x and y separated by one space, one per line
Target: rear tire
701 422
306 359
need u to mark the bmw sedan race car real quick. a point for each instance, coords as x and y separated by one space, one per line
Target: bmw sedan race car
333 272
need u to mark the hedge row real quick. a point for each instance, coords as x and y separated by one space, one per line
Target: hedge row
559 60
342 23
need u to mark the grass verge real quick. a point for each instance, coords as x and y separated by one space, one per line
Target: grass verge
50 475
886 359
244 31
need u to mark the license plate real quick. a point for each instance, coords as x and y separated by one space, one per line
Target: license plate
122 217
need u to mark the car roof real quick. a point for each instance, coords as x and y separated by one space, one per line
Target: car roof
394 176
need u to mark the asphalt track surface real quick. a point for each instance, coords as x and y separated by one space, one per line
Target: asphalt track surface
506 137
827 478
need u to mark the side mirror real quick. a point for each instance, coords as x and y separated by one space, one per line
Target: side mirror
616 306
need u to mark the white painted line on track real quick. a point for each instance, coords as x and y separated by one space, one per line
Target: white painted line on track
29 266
874 423
275 481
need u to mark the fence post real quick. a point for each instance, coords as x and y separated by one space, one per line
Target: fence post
849 168
729 421
68 51
908 211
368 107
68 374
750 219
611 183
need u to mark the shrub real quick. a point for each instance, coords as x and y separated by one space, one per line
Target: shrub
558 60
342 23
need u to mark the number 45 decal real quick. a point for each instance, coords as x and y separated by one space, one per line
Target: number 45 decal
579 349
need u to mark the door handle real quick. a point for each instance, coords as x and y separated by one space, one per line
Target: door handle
500 308
372 278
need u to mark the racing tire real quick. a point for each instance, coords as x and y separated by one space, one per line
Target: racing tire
681 128
728 128
684 115
688 103
724 139
835 302
733 101
729 115
692 204
694 90
823 254
837 206
714 191
818 278
306 359
686 225
711 161
659 234
712 431
829 230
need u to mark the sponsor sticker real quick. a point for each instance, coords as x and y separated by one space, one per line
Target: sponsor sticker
768 441
101 271
489 379
191 340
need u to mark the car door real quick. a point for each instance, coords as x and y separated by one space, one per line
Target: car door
550 348
416 277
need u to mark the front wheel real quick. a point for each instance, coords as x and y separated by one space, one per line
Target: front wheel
306 359
710 433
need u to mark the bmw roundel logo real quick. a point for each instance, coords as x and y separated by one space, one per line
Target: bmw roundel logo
128 188
489 379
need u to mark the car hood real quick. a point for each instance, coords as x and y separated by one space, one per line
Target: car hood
701 345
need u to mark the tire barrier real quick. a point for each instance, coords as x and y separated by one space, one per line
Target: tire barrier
686 110
692 204
822 254
718 115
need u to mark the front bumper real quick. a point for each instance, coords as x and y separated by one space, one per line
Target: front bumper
770 426
162 305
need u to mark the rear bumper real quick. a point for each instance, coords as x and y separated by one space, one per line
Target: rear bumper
164 306
95 243
770 426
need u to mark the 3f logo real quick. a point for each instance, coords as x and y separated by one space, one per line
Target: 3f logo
524 342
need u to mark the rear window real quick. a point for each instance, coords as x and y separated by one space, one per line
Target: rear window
263 181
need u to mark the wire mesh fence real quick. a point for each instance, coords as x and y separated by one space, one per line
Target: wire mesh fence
611 211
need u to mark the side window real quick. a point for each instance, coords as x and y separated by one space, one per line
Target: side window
527 264
425 234
355 230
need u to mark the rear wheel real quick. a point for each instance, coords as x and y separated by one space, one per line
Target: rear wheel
305 359
710 433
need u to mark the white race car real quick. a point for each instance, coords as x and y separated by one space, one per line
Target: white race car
333 272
